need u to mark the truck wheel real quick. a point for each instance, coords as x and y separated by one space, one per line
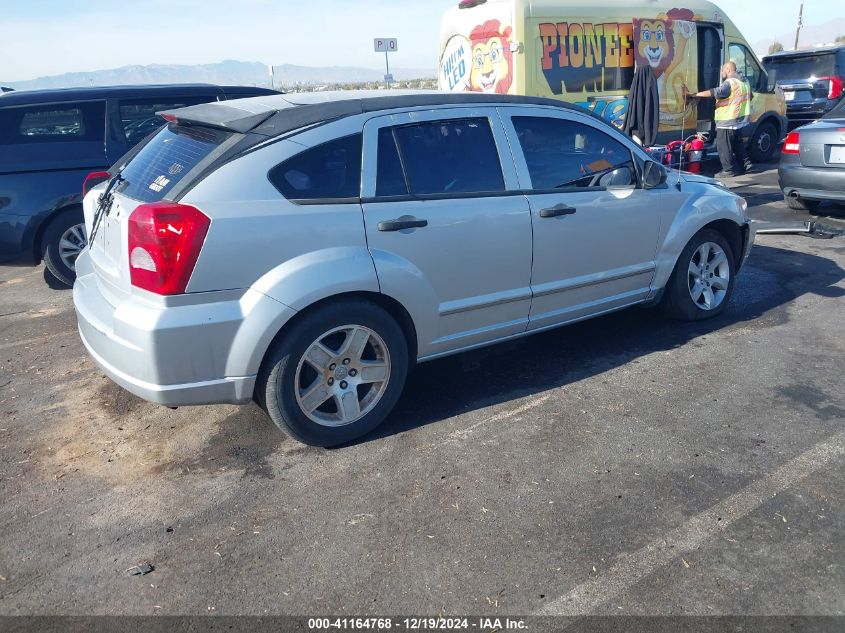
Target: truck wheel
703 279
63 241
336 374
801 204
761 148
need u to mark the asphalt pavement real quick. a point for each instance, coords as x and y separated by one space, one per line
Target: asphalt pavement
624 465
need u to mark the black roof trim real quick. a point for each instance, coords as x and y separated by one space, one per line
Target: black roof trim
806 52
285 115
93 93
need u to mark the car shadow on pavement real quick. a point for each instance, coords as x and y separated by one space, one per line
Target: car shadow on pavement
438 390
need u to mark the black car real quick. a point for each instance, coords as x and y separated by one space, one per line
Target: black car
51 140
812 163
811 80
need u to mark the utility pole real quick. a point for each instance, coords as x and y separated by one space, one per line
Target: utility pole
800 24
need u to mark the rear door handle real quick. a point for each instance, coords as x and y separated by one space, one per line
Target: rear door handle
405 222
558 209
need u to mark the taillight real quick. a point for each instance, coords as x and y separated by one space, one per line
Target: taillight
165 239
792 144
92 180
835 86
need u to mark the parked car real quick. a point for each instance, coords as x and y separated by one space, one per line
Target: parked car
812 163
50 140
812 81
305 250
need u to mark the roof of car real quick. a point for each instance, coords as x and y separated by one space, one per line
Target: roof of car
27 97
276 114
832 48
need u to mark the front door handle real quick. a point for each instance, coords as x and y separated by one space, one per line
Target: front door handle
558 209
405 222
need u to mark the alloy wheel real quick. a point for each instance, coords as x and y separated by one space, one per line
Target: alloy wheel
342 375
71 243
709 276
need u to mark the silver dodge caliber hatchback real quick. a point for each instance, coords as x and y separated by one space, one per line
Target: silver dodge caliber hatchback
305 250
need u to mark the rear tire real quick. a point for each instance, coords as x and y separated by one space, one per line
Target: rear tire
801 204
703 279
63 240
319 388
761 148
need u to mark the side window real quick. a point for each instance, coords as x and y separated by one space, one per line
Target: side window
329 171
138 116
53 123
390 179
747 66
449 157
561 153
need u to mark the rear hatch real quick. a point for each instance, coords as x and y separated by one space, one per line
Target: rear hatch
196 141
807 80
822 144
177 155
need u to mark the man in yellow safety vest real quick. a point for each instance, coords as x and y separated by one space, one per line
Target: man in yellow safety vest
733 110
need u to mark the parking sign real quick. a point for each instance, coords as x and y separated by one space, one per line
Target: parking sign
385 45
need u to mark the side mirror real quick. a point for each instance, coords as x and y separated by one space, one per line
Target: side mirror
654 175
619 177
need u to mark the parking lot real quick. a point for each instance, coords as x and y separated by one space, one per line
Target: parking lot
625 465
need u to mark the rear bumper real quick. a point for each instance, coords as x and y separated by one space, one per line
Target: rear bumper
818 183
225 390
805 112
203 353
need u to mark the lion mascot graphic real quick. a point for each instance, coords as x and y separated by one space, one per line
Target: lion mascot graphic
661 44
492 58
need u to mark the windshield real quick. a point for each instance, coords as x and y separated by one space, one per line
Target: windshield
166 159
801 67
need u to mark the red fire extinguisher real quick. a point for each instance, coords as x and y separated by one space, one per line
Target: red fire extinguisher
695 154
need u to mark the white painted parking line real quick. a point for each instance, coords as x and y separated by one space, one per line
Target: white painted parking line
497 417
504 415
632 568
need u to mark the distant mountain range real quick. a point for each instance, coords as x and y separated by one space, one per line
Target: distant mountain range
811 35
227 72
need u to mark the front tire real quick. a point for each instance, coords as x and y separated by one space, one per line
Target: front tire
63 241
336 374
703 279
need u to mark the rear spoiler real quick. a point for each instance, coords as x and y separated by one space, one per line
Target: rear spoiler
261 118
221 116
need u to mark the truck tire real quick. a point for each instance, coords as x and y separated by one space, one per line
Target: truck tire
761 147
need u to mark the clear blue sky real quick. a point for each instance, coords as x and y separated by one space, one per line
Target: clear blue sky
46 37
